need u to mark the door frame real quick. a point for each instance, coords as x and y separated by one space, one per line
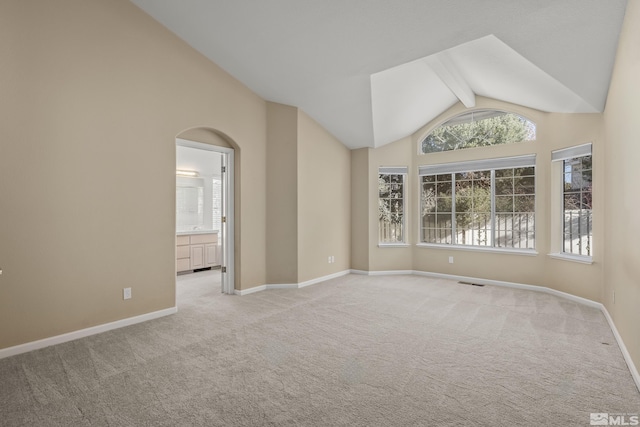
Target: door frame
228 227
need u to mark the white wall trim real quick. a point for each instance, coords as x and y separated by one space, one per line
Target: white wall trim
470 248
82 333
573 258
514 285
383 272
291 285
324 278
250 290
282 286
623 348
361 272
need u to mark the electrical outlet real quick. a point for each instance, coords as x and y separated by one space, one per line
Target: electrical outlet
450 260
126 293
329 260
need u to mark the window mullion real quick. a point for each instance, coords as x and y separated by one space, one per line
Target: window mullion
493 208
454 236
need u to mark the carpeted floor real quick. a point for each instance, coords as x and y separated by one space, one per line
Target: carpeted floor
353 351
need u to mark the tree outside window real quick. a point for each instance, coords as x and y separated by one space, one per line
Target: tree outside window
391 200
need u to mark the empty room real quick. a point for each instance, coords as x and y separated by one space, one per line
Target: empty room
319 213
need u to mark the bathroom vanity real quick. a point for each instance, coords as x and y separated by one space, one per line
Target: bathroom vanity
197 250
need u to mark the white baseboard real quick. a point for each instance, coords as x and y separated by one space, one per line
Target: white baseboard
250 290
291 285
514 285
324 278
384 272
623 348
94 330
282 286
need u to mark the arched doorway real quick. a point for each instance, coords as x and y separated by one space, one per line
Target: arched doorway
207 142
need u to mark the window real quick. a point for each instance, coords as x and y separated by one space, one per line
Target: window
486 203
577 197
391 201
217 203
479 128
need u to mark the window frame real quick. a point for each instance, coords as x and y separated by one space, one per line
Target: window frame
558 158
491 165
404 172
445 122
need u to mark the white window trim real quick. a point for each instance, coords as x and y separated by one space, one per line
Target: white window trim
478 165
453 121
396 170
571 152
515 251
557 239
565 256
528 160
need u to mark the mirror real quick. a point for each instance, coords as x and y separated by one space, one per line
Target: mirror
189 204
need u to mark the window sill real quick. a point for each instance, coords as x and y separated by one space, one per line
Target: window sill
573 258
525 252
393 245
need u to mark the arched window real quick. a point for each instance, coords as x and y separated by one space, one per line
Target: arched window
480 128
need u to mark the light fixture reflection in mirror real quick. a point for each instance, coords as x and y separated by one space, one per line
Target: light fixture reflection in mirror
187 173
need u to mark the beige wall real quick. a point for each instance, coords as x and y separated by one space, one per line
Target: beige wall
622 200
360 209
308 198
93 96
324 201
282 191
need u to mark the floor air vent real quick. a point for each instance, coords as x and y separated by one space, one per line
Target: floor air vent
469 283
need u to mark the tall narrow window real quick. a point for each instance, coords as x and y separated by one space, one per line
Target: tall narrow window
577 199
391 205
217 203
489 203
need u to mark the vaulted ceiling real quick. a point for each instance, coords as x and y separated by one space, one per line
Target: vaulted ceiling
374 71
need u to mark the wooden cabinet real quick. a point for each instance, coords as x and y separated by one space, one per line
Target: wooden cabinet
183 254
197 251
197 256
211 255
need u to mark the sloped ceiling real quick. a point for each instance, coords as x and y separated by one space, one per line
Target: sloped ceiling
374 71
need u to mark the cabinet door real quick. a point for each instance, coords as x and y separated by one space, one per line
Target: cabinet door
197 257
211 254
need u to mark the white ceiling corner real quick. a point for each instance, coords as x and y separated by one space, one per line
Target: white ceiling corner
374 71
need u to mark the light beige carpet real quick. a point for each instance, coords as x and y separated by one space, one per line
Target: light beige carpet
354 351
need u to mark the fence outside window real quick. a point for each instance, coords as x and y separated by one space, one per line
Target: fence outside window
391 204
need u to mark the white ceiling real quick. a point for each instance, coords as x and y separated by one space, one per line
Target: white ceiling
374 71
